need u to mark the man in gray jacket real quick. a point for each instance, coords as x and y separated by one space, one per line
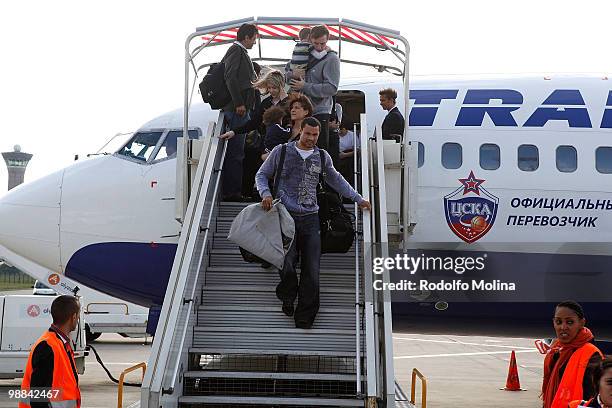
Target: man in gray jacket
320 83
239 77
297 190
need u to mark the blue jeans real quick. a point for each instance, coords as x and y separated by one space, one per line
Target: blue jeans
307 243
231 178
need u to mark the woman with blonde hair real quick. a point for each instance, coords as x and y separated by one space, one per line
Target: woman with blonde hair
272 83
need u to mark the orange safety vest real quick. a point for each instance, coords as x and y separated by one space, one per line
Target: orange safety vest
570 387
64 391
575 404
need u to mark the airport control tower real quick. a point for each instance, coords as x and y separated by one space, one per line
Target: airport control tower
16 162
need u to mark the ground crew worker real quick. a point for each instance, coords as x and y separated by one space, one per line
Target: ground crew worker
51 367
602 380
567 375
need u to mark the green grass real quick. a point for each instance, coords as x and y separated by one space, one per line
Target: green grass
4 286
12 279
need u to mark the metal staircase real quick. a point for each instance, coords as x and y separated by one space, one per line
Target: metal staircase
245 350
222 339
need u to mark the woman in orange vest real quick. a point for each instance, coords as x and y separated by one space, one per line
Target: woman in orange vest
50 377
602 380
567 376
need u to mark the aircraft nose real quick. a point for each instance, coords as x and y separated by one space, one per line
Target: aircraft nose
30 218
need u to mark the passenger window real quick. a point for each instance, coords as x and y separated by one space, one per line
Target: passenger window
603 159
141 145
452 155
489 156
168 148
567 159
528 158
421 154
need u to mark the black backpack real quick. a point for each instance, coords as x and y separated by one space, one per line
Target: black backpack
336 223
213 87
337 229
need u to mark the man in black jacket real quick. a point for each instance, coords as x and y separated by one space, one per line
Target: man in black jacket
239 77
393 125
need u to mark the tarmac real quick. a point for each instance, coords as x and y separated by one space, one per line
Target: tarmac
462 371
468 371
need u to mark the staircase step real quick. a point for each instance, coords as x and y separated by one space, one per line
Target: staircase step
273 279
267 352
246 287
235 251
256 270
220 241
253 363
256 296
270 277
271 318
269 375
269 387
233 401
229 209
232 257
290 341
223 224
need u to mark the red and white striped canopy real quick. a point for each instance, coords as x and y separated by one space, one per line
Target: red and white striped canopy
291 32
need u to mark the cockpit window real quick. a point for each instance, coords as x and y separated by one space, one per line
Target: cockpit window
168 148
141 146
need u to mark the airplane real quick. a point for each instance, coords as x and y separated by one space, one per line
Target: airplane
514 167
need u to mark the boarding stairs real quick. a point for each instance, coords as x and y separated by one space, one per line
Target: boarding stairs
222 339
246 349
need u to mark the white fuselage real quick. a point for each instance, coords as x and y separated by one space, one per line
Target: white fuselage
109 222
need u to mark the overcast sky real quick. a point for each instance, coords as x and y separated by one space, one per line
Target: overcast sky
73 74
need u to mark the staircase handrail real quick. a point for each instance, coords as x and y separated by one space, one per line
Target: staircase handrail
370 341
179 300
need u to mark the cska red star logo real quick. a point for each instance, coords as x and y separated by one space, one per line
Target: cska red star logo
470 210
471 184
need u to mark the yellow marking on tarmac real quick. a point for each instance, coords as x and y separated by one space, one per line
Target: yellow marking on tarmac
480 353
464 343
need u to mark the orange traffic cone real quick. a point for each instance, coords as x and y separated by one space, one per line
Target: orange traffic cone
513 383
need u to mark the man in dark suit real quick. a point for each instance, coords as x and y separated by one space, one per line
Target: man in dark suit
239 77
393 125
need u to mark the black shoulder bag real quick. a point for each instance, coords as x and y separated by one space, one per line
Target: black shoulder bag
337 229
279 169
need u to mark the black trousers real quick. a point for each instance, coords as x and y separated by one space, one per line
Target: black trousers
323 142
346 167
334 146
306 244
250 165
